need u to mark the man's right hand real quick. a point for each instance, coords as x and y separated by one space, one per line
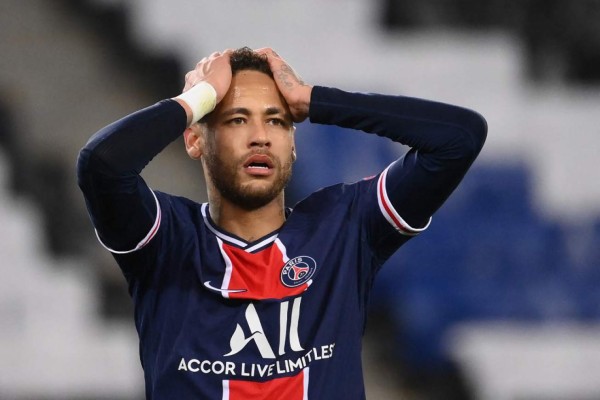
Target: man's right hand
215 70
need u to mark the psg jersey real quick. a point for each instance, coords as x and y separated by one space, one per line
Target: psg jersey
278 318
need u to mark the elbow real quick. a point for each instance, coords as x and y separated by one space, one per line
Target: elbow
474 135
479 130
83 166
89 160
88 164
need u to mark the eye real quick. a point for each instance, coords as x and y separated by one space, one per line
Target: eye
236 121
278 122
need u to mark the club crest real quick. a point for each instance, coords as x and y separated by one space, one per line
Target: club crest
298 271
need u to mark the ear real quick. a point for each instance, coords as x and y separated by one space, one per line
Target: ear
194 141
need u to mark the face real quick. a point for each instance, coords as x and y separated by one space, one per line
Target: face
248 142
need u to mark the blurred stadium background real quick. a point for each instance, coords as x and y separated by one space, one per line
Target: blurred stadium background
499 299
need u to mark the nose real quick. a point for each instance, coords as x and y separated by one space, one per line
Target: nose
259 137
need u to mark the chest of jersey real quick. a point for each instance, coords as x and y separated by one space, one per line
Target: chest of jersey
246 314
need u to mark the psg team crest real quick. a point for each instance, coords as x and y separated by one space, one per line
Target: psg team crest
298 271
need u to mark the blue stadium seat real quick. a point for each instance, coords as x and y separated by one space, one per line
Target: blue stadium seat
487 255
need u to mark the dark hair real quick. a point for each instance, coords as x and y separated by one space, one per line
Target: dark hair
244 59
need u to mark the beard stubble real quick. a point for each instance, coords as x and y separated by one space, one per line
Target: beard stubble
226 179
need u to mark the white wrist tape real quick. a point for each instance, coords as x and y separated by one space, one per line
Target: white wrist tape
202 99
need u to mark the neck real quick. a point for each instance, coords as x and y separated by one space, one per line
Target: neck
248 224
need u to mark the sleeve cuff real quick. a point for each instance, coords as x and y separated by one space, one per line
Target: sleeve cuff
390 213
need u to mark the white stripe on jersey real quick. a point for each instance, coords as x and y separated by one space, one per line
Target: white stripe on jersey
282 249
305 372
225 390
228 269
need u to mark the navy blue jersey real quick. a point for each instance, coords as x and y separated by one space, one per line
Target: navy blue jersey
281 317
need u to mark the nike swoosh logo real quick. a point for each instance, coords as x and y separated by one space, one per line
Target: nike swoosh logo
211 287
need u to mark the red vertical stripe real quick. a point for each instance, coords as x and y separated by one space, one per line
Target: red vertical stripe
288 388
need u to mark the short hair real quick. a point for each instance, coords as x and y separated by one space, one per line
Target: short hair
246 59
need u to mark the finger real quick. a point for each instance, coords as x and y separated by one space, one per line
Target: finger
227 53
201 62
269 52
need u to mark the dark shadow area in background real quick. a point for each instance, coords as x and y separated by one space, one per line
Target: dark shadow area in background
161 74
561 37
45 180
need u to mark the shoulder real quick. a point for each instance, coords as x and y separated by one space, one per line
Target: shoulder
341 195
178 207
177 201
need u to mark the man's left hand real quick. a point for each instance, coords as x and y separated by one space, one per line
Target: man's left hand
295 92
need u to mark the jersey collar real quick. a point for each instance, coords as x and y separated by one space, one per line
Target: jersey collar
230 238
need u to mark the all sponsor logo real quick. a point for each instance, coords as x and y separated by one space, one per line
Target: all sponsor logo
271 364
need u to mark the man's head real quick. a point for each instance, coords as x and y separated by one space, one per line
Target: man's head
247 143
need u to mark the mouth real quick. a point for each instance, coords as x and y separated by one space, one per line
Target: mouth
259 165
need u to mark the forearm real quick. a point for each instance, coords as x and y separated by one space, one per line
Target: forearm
127 145
421 124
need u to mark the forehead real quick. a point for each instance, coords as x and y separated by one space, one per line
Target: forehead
252 90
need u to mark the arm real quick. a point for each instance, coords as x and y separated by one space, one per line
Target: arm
123 209
444 139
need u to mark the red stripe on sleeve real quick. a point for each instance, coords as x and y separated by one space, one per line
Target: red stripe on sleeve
389 213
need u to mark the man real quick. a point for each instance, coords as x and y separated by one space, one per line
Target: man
241 298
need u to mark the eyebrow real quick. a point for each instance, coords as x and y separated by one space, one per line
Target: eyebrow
244 111
237 110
